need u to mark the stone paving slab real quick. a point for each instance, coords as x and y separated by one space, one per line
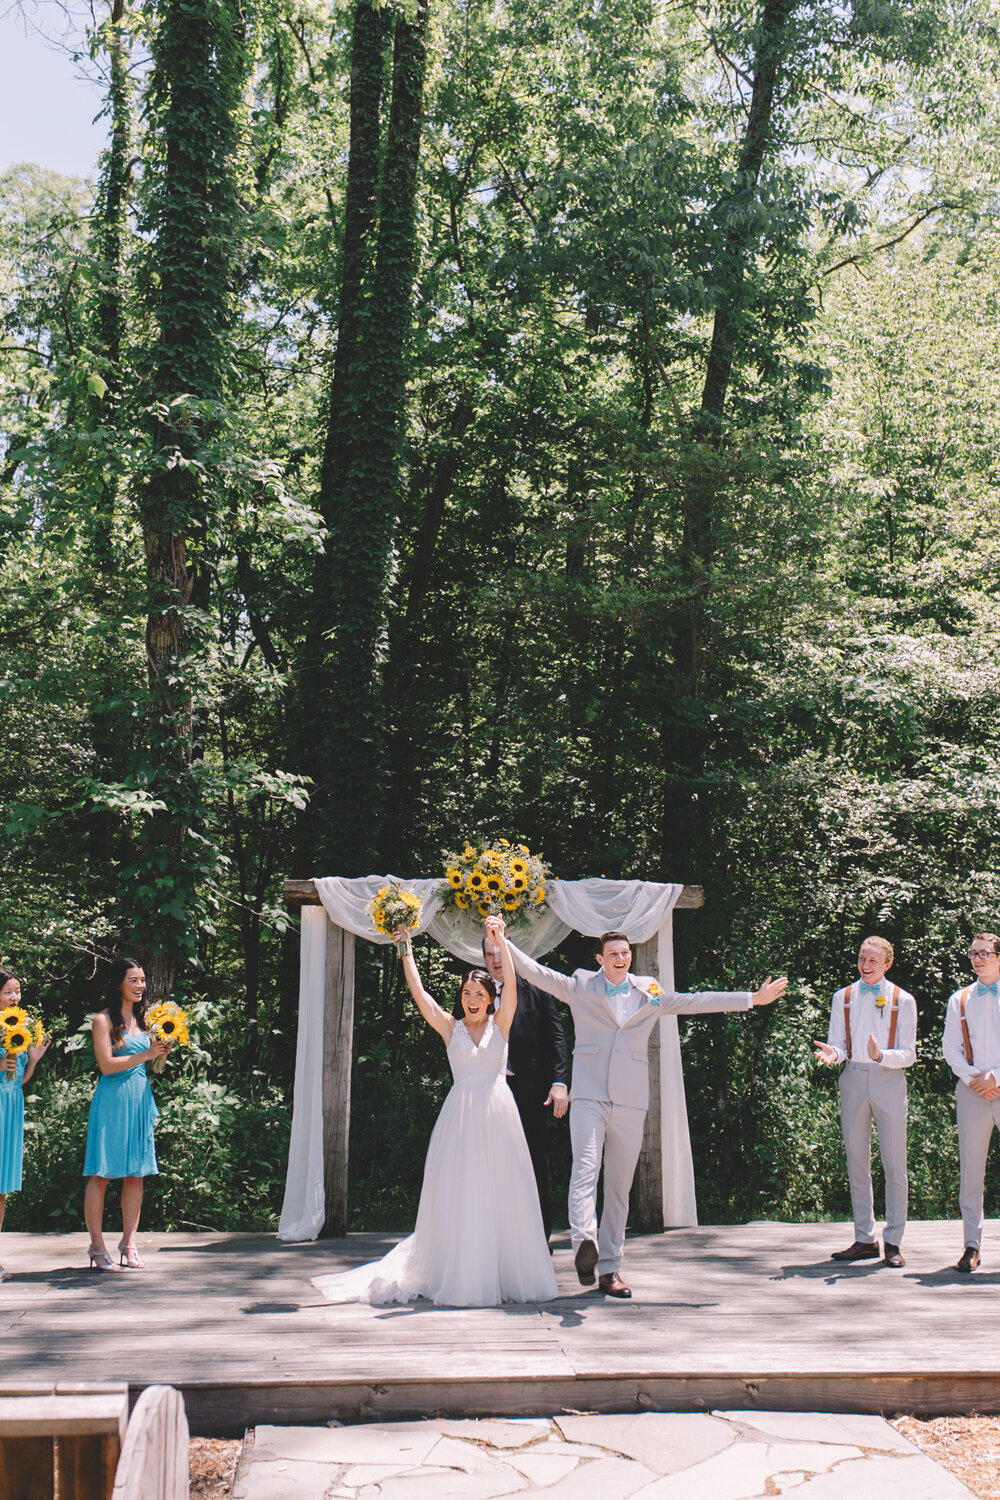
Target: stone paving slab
722 1455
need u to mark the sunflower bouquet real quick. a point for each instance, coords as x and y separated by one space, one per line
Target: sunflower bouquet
18 1032
494 879
393 906
168 1022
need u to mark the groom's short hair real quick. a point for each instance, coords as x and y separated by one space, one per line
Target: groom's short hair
610 937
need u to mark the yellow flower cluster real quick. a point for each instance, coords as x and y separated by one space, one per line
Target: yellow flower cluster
394 906
18 1031
169 1022
491 878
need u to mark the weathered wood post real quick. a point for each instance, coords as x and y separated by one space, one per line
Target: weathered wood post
647 1192
338 1040
338 1051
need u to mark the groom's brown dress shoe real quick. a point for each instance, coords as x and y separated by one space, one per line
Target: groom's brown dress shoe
893 1256
585 1260
860 1250
969 1260
612 1285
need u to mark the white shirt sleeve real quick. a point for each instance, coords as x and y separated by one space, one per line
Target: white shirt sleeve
953 1045
836 1036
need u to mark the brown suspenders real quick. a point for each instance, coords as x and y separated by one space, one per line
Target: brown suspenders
893 1014
962 1003
893 1017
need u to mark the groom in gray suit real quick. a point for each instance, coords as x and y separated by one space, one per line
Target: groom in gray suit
613 1014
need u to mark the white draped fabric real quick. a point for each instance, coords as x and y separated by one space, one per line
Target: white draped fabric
641 908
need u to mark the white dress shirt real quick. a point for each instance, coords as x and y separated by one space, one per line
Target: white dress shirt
625 1006
982 1016
868 1019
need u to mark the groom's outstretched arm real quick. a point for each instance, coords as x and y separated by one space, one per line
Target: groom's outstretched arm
681 1004
549 980
714 1000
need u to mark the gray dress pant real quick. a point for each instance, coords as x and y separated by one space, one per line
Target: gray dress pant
976 1119
879 1094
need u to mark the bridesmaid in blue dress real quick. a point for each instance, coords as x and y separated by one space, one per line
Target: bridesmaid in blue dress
15 1070
122 1111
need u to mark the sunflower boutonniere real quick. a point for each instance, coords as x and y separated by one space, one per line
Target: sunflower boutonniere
881 1000
654 993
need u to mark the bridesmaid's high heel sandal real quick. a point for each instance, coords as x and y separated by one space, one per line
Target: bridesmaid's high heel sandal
129 1256
100 1260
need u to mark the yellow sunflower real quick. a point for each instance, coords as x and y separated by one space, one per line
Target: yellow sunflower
16 1039
518 883
468 852
524 850
484 908
455 877
13 1015
518 867
461 901
540 895
39 1034
477 881
510 902
494 885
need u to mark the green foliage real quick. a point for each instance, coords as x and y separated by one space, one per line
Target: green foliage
696 400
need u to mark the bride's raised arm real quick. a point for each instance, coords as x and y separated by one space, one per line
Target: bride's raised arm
508 996
426 1004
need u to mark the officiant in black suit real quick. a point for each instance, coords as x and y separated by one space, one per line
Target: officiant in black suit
537 1071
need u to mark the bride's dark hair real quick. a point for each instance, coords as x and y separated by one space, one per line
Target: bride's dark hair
479 976
113 999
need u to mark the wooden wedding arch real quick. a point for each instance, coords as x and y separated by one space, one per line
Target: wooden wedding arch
655 957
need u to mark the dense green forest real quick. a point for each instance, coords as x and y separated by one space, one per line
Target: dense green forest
442 417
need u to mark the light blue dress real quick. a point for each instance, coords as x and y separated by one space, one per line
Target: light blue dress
12 1126
122 1115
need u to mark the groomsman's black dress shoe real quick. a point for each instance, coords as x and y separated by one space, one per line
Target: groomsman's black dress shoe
860 1250
893 1256
613 1286
585 1260
970 1259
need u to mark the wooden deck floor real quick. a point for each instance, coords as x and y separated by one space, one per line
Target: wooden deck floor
736 1316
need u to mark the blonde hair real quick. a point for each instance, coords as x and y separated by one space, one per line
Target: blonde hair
884 944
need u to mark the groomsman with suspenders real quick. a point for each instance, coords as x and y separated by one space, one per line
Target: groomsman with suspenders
873 1032
972 1051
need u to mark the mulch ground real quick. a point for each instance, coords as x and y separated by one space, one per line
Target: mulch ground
968 1446
213 1467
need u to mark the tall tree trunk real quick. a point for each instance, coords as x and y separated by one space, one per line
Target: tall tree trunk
700 496
361 480
199 67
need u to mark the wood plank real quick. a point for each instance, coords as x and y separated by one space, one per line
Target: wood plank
34 1415
731 1315
647 1190
27 1468
338 1043
86 1466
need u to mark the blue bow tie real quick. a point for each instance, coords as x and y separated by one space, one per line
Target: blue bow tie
616 989
872 989
989 989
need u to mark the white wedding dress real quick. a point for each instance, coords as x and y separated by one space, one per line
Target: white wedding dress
479 1239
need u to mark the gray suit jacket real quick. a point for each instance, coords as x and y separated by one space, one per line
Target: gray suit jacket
611 1062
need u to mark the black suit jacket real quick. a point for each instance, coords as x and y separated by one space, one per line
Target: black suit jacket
537 1053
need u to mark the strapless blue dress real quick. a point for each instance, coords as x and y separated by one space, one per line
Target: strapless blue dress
122 1115
12 1126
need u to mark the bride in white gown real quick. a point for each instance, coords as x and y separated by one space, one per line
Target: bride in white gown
479 1239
